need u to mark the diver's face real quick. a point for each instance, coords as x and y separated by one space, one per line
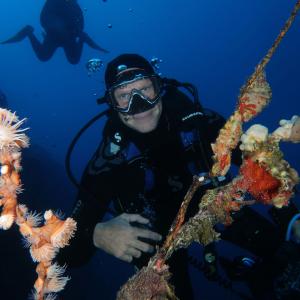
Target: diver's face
142 122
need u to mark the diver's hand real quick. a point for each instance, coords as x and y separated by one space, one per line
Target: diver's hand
120 239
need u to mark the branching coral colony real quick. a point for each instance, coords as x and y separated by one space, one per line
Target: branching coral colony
44 240
264 176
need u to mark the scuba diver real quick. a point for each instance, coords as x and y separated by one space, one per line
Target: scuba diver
154 141
63 25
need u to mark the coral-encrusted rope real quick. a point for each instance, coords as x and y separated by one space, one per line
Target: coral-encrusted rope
261 66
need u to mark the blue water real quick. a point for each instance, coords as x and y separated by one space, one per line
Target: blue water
214 44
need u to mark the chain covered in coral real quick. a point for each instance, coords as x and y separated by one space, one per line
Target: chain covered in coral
44 240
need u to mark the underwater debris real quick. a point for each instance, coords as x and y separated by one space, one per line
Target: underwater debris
44 240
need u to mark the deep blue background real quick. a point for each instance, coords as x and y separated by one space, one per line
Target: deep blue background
214 44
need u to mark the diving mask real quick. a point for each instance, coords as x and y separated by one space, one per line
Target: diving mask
135 92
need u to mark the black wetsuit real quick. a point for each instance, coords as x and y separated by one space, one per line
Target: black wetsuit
148 174
275 274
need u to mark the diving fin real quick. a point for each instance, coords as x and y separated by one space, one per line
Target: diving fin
87 39
19 36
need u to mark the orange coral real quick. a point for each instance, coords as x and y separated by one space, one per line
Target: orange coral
261 184
44 241
49 280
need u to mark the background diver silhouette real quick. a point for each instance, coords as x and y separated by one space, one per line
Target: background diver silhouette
63 25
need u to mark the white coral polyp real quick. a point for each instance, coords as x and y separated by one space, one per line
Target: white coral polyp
4 169
6 221
61 237
8 116
51 297
48 214
255 134
56 280
11 136
45 253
